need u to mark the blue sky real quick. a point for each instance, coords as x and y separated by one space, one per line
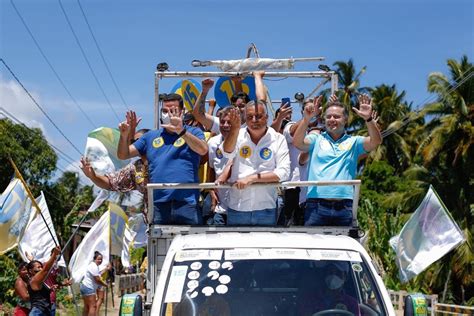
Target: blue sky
400 42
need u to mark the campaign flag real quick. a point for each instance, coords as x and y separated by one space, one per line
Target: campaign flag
15 208
100 198
428 235
36 240
110 236
97 239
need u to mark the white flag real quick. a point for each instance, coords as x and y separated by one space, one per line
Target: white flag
101 198
428 235
36 240
97 239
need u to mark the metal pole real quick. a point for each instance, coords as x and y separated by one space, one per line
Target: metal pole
293 74
33 201
157 102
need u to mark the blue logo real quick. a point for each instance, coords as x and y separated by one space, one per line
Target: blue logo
265 153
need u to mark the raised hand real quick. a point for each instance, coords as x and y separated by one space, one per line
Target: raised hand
176 121
313 110
124 129
365 107
131 118
259 73
87 168
333 98
234 119
207 84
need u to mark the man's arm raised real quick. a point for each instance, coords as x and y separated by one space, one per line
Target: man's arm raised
365 111
231 140
310 111
124 150
199 109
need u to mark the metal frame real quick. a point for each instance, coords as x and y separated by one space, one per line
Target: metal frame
212 185
159 75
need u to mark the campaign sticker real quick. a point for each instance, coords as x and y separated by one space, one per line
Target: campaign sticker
158 142
179 142
224 279
177 278
266 153
214 265
219 153
213 275
193 284
207 291
193 294
245 151
196 265
227 265
222 289
193 275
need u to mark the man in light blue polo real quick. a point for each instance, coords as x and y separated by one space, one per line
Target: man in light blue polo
333 156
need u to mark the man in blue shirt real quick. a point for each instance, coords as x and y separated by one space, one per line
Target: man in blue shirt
173 152
333 156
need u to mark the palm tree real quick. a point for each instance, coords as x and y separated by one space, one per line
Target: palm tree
392 109
447 151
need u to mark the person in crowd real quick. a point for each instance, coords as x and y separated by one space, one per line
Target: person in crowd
258 155
21 290
173 153
239 99
134 176
292 213
333 156
89 285
217 169
326 292
38 290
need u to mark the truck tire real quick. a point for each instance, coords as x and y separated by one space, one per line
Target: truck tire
131 305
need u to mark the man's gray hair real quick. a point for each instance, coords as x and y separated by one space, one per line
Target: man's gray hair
259 102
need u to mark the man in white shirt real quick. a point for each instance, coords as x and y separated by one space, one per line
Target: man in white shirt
259 154
217 167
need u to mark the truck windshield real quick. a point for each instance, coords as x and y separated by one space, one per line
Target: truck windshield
254 282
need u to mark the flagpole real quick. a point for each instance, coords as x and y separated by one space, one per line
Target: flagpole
33 200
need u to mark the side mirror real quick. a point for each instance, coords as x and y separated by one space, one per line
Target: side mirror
415 305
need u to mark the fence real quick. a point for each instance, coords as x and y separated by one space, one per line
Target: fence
129 283
434 308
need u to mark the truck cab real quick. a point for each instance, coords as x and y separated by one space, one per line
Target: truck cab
261 271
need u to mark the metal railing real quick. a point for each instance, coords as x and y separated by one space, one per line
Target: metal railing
286 184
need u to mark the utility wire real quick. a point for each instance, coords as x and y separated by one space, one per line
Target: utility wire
16 120
10 116
407 119
102 55
50 65
39 107
87 60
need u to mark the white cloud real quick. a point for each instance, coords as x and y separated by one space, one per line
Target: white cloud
15 101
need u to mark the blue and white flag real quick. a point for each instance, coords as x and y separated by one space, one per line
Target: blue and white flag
15 212
427 236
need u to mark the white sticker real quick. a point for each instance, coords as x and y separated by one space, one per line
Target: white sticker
207 291
284 253
176 284
213 275
222 289
193 284
339 255
238 254
214 265
193 255
196 265
193 275
227 265
224 279
193 294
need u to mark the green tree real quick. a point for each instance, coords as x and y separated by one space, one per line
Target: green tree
30 152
